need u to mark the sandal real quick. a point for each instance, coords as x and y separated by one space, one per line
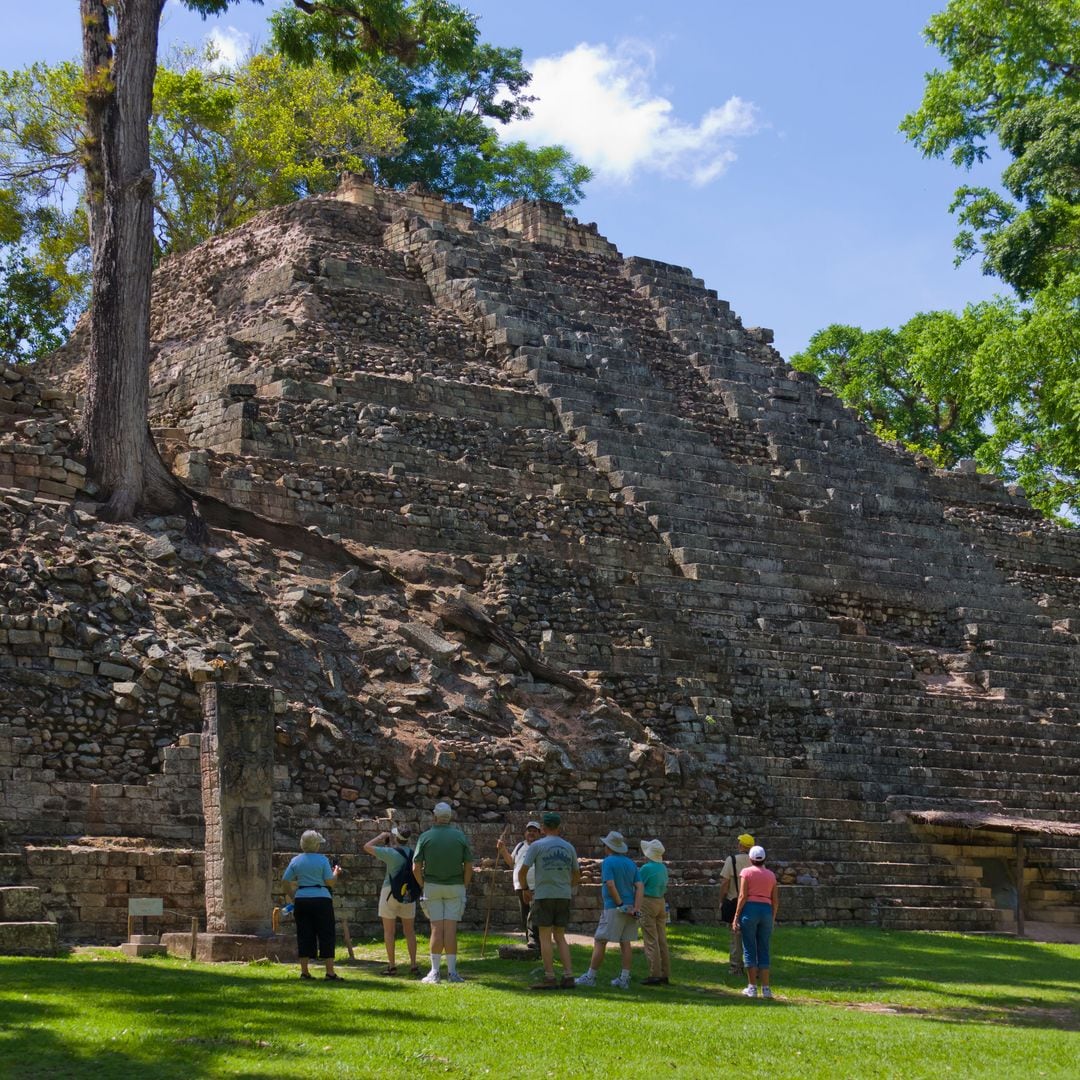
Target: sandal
414 971
306 975
390 969
334 978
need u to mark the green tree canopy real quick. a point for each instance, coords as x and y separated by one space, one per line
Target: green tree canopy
456 91
224 143
999 381
1013 75
910 384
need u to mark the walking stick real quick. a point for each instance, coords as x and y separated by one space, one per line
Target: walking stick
491 893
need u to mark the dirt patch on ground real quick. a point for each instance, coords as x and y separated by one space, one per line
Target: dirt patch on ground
1033 1016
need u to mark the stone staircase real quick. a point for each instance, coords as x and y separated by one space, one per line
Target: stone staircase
24 929
734 505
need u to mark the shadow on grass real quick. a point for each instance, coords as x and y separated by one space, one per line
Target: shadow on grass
103 1016
996 978
57 1014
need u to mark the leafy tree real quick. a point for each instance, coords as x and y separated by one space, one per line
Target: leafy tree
227 144
910 384
31 316
452 96
41 216
1013 74
509 171
1000 382
1027 371
224 144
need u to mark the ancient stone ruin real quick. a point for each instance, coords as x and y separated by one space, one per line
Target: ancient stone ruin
555 529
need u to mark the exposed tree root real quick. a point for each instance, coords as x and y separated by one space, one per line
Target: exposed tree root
470 618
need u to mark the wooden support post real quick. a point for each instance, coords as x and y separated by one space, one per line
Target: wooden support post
1019 884
131 927
194 937
348 937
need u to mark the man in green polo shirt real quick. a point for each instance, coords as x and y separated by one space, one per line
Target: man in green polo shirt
442 864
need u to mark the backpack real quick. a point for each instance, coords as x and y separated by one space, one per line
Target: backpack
729 906
404 888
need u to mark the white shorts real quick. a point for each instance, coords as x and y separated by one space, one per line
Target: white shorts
441 902
615 925
389 908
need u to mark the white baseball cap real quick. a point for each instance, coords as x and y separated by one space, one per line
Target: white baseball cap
757 853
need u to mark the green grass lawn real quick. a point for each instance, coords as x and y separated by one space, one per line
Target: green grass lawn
851 1003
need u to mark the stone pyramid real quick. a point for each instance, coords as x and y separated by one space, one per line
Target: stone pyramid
782 623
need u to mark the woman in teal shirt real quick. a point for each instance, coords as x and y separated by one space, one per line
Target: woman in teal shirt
654 875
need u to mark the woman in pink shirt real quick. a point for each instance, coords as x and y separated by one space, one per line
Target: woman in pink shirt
755 915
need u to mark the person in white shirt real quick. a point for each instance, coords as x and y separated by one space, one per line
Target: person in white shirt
514 858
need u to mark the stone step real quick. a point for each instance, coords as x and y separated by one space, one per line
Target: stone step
12 867
918 736
37 938
891 894
20 903
939 918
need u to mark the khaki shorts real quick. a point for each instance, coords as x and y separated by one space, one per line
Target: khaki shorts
389 908
616 926
441 902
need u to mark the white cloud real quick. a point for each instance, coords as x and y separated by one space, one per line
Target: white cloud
230 44
599 103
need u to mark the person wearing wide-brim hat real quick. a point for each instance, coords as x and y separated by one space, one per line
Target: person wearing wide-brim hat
756 916
621 890
654 880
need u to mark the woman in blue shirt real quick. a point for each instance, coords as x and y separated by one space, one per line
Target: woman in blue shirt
309 877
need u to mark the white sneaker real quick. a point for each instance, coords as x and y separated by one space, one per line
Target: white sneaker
621 982
588 979
455 977
749 991
431 977
766 991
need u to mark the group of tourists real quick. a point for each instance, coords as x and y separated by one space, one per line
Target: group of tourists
437 872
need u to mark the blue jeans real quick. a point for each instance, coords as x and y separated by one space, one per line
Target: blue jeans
756 925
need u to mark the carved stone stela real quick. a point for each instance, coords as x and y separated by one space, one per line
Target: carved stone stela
237 788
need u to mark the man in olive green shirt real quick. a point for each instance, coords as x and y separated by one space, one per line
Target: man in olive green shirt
442 864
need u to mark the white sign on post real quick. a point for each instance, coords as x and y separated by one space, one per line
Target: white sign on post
146 906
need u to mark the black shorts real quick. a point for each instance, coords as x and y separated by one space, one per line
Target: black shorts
550 912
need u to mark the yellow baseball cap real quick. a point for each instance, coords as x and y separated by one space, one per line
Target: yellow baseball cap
746 839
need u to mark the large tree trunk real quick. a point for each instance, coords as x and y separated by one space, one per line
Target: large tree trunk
119 64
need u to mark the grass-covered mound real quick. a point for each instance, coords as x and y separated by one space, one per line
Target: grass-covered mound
850 1003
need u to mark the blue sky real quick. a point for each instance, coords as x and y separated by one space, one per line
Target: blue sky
755 143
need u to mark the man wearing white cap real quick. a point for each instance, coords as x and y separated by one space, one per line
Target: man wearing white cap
622 890
442 864
733 866
514 859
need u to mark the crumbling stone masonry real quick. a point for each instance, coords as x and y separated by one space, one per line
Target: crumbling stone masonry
783 624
